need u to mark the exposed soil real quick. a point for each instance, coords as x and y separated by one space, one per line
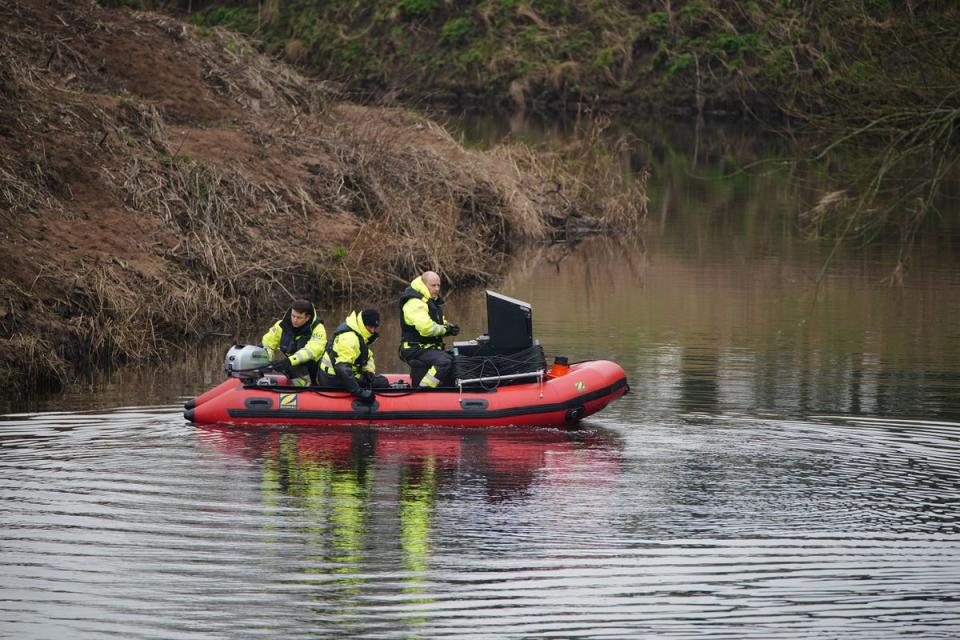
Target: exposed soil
157 184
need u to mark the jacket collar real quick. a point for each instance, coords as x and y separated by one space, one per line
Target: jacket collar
420 287
356 323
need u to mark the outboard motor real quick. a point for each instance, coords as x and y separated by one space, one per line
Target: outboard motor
247 362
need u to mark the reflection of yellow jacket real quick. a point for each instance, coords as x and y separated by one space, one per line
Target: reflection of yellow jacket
345 347
417 497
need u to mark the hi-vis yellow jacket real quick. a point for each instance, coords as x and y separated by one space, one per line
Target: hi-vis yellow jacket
345 347
301 344
422 324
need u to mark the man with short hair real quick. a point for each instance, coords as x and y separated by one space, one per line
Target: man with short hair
295 343
422 327
347 362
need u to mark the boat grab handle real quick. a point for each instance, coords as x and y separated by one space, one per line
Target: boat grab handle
514 376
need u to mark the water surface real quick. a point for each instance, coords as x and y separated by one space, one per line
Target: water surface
785 465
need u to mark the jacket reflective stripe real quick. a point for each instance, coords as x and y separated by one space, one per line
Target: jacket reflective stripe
430 379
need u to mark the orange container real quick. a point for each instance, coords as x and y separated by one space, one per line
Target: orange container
561 367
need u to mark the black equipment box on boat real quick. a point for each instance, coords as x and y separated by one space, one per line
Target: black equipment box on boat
509 328
508 347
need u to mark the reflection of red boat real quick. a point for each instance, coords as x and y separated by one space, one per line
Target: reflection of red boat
587 387
510 455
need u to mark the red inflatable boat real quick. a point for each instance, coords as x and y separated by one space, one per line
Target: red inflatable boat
554 399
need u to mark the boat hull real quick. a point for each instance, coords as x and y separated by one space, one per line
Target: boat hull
587 388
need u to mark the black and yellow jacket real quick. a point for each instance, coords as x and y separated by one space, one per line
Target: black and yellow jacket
422 324
300 344
349 345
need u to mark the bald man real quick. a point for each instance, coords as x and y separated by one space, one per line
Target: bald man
422 327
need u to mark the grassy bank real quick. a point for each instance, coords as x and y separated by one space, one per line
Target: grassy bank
848 77
161 183
674 55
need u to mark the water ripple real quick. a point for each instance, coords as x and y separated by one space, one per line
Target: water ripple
132 524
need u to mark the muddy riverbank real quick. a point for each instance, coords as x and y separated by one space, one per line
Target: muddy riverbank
159 183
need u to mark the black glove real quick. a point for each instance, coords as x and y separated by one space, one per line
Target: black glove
366 396
281 364
453 329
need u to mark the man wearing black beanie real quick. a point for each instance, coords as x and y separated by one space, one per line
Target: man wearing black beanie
348 361
370 318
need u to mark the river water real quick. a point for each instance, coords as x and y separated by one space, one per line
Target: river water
785 465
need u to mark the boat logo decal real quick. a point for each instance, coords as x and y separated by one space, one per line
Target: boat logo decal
288 400
580 386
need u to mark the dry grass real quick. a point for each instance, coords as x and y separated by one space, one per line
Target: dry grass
21 179
593 191
424 202
28 362
374 196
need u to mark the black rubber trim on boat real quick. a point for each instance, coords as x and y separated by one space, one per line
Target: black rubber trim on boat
301 414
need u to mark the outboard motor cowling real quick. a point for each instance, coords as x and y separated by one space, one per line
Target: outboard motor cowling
246 361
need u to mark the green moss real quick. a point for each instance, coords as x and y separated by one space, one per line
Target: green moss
354 53
693 12
553 9
603 59
338 254
240 19
237 49
457 29
656 19
679 63
182 160
533 38
418 7
475 55
583 41
781 63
